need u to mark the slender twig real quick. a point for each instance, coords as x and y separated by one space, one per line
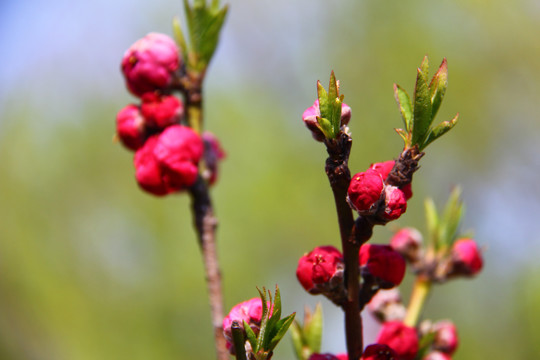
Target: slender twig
204 218
421 289
339 176
206 224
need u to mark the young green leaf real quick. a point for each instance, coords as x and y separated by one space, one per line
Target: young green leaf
179 36
405 136
326 127
405 106
297 339
437 87
252 338
422 109
424 67
313 329
432 221
452 216
439 131
282 326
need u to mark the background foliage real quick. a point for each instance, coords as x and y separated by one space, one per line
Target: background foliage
92 268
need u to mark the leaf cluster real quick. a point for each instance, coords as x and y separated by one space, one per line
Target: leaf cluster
330 108
418 119
307 337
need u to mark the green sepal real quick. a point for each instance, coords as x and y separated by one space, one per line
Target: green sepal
280 330
437 87
432 222
405 106
250 335
179 37
422 109
439 131
451 218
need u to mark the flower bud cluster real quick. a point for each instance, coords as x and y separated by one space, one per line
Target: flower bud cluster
370 195
444 339
249 311
167 153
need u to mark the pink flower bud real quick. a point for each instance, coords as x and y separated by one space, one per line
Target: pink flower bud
178 151
161 111
401 338
342 356
446 337
386 305
249 311
407 242
148 171
323 357
318 267
130 127
365 191
149 63
213 153
379 352
395 203
466 258
384 263
384 169
437 355
310 119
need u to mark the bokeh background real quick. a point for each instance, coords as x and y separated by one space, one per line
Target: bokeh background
93 268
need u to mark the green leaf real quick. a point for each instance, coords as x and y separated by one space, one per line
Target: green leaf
335 102
179 36
437 87
422 109
298 344
424 67
322 95
453 213
282 326
251 336
439 131
264 321
405 106
313 330
404 135
326 127
432 221
425 345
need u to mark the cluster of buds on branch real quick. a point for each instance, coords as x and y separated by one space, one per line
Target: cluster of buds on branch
363 274
173 154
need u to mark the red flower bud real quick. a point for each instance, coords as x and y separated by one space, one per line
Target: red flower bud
395 203
310 119
437 355
342 356
408 242
148 172
379 352
178 151
466 258
130 127
384 169
249 311
149 63
318 267
213 153
365 191
401 338
384 263
446 337
386 305
161 111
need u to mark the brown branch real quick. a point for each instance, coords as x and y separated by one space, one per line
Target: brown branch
206 224
339 176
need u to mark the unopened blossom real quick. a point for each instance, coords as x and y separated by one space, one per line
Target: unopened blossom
318 267
384 169
446 337
408 242
386 305
149 64
148 171
365 190
310 119
401 338
466 257
130 127
160 111
437 355
395 203
382 262
249 311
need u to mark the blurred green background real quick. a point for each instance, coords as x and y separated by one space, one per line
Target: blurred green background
93 268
